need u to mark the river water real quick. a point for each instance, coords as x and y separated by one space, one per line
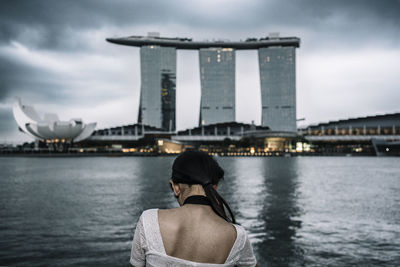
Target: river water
301 211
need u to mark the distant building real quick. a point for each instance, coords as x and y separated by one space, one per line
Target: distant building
278 87
158 86
378 126
217 76
49 128
126 133
379 134
218 132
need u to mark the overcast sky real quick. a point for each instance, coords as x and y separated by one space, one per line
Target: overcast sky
54 56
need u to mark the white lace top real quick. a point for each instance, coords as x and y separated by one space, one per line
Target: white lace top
148 248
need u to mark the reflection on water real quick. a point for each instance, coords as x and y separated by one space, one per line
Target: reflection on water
280 213
264 194
242 187
153 190
298 211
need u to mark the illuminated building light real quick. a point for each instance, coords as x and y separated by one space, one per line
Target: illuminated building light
299 147
306 147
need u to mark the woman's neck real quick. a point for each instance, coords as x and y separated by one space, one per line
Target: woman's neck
194 190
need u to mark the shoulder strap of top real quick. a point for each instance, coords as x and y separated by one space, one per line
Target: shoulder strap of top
238 245
152 231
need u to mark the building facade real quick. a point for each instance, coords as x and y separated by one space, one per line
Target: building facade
278 87
217 77
158 87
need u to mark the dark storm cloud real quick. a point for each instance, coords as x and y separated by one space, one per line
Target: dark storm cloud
310 11
18 78
330 24
53 23
314 14
7 123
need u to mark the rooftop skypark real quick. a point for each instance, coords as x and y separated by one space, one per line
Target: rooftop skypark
188 43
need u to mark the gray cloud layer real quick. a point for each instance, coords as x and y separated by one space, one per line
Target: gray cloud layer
55 21
64 27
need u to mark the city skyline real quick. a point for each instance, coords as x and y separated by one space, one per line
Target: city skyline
347 66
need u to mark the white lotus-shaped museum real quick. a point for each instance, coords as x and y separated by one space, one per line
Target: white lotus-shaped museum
50 128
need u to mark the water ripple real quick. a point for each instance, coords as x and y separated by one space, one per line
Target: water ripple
298 211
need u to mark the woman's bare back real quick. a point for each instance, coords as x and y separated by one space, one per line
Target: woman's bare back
196 233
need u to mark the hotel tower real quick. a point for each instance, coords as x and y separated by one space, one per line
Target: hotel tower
277 64
158 84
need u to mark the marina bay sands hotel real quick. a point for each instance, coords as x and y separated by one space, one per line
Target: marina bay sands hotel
276 57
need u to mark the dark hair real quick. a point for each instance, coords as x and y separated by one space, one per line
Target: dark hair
197 167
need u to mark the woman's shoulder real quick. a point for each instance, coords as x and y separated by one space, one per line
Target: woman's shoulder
152 218
147 219
239 229
148 224
241 238
242 250
149 213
